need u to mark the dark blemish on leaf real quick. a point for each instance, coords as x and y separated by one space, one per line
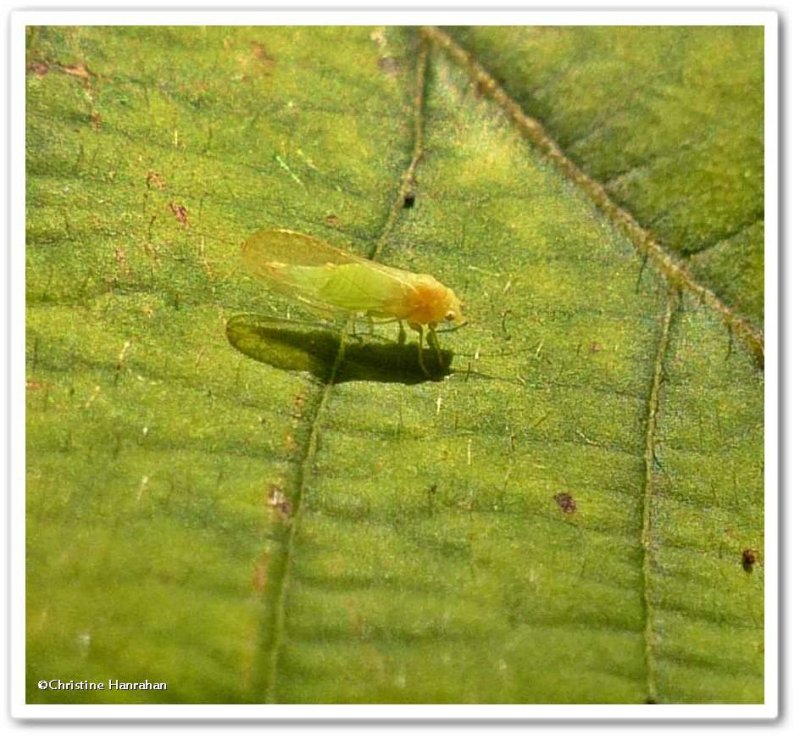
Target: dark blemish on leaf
154 180
389 65
260 54
566 503
650 700
180 213
749 559
409 200
332 220
276 499
595 347
38 67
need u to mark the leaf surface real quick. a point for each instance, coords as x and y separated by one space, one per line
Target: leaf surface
562 518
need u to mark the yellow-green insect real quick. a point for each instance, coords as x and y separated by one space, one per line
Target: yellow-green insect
312 271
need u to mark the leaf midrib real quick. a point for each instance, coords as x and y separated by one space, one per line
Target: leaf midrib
275 596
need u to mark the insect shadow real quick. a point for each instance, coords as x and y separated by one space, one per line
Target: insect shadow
300 346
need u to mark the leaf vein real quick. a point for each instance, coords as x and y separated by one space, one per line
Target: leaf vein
676 274
648 559
274 628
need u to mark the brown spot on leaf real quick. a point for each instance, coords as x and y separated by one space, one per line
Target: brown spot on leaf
332 220
35 385
96 120
79 70
181 213
154 180
389 65
276 499
595 347
38 67
260 54
749 559
566 503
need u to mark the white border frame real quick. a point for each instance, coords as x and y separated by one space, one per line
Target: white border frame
20 709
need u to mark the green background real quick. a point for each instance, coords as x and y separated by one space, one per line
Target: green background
246 532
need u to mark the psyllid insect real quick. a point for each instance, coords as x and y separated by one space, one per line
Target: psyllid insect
317 274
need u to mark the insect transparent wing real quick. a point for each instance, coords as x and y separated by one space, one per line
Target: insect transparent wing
279 256
289 248
312 271
293 248
362 287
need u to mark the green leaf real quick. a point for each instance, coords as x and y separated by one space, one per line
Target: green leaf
253 508
669 119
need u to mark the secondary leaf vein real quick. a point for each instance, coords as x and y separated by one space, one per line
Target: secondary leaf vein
674 272
648 556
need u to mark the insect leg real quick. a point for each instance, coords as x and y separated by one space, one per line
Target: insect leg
418 328
354 333
433 341
401 334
